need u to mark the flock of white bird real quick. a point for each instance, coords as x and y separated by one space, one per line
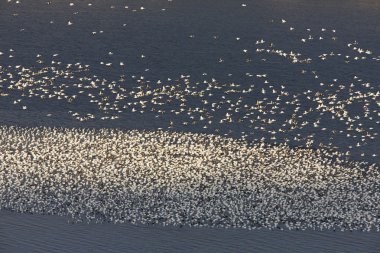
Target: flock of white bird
340 109
264 110
183 179
174 178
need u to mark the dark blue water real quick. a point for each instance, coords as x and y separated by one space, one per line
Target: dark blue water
39 233
200 41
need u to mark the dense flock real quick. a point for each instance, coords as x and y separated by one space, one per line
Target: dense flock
183 179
